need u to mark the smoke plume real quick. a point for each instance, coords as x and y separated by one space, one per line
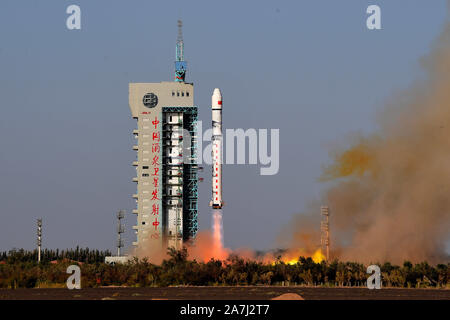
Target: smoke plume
390 200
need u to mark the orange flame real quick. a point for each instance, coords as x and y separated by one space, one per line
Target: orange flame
318 256
292 256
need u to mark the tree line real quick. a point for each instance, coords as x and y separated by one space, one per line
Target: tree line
84 255
19 269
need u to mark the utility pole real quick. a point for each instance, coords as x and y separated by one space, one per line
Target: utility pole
39 238
120 230
325 230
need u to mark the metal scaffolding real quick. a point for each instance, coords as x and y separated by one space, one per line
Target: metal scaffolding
182 174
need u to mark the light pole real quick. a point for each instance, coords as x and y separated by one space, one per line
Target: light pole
120 230
39 238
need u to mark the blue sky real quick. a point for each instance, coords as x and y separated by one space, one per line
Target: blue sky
310 68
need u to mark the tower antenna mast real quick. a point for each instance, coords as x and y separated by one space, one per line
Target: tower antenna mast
180 64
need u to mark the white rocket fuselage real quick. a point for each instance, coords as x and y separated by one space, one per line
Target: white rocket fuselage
216 106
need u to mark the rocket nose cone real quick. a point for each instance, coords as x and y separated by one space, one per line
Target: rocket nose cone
217 92
216 99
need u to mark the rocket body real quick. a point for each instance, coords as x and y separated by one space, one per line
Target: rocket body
216 106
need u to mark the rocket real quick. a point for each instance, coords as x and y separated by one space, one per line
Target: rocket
216 106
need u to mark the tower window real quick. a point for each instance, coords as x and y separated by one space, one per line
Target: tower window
178 93
173 93
182 93
187 93
145 167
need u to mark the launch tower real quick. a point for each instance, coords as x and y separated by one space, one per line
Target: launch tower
166 160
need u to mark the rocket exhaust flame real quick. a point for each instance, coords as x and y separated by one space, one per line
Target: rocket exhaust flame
219 252
217 230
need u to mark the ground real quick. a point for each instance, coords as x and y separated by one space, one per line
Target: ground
219 293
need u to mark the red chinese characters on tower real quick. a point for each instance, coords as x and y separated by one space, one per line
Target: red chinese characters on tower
155 161
155 122
156 149
156 223
156 136
155 209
